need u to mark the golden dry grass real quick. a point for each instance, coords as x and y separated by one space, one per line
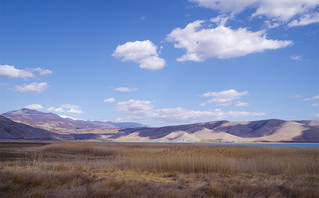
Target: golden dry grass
156 170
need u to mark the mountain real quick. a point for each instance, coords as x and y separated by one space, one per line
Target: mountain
13 130
55 123
272 130
126 124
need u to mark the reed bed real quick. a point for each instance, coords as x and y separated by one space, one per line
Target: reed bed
156 170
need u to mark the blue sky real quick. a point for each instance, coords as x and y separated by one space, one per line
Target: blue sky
161 62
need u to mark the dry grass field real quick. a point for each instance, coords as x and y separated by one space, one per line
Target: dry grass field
156 170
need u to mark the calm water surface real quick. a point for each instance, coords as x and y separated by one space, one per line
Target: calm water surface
296 145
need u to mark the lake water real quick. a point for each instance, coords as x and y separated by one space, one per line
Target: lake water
296 145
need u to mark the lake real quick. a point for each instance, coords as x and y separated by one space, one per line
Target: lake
296 145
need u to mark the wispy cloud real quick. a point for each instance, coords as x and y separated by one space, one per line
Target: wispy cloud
296 96
312 98
66 108
125 89
42 71
293 12
109 100
305 20
241 104
139 110
142 52
295 57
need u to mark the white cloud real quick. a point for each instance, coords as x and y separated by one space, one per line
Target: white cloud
315 105
226 6
312 98
241 104
302 11
69 108
139 110
295 57
316 116
202 104
75 111
296 96
12 72
34 106
220 42
58 109
42 71
109 100
32 87
305 20
72 108
135 107
225 98
125 89
284 10
142 52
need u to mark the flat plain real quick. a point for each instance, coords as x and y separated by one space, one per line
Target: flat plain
156 170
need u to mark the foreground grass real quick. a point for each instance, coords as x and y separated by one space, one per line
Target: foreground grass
156 170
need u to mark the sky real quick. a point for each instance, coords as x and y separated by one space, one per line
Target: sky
161 62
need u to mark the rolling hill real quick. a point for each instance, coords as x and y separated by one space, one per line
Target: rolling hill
55 123
13 130
272 130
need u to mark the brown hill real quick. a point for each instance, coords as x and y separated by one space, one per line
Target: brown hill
55 123
223 131
13 130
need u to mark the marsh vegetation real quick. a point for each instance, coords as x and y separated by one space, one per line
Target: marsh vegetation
156 170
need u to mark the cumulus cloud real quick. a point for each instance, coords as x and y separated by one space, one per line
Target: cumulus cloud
125 89
295 57
144 110
109 100
220 42
34 106
303 12
71 108
32 87
227 97
12 72
142 52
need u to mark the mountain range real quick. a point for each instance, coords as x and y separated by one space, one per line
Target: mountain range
32 124
59 124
